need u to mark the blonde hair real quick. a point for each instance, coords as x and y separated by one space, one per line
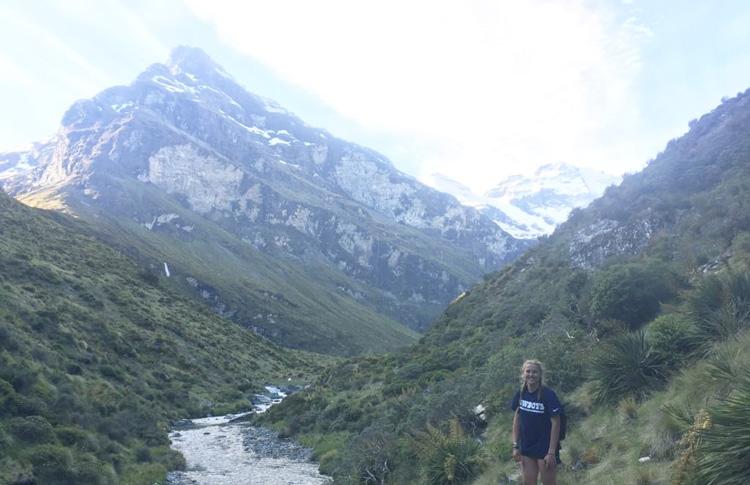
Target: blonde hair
541 376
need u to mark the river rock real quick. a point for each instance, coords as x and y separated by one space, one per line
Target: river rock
267 444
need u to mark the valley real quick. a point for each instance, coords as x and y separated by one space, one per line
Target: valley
181 244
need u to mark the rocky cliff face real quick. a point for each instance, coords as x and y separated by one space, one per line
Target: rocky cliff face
185 140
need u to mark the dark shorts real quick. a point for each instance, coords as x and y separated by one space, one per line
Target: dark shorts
557 457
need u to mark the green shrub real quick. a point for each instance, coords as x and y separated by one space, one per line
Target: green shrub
77 438
68 401
672 338
229 407
171 459
52 464
5 442
143 454
448 458
370 454
31 429
112 372
21 377
626 367
145 473
14 472
30 406
8 399
631 293
89 470
7 340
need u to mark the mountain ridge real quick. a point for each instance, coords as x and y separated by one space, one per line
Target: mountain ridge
173 145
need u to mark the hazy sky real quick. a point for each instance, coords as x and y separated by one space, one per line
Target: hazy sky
476 90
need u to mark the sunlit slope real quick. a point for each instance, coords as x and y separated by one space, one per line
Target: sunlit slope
98 355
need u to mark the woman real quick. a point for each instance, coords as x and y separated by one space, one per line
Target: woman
536 426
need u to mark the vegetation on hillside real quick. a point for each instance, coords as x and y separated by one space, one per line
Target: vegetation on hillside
98 356
627 324
273 294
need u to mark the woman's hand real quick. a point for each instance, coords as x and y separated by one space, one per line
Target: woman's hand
550 460
516 455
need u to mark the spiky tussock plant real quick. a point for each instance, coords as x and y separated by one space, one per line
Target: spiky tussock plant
448 458
720 306
626 367
723 450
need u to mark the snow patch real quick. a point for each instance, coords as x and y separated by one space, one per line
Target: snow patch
231 100
172 85
123 106
221 72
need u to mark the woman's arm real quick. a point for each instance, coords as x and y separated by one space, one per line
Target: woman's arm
553 440
516 433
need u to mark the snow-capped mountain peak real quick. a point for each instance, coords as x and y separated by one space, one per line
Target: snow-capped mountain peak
193 62
531 206
559 177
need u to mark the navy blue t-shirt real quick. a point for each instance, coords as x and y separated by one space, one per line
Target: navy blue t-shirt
535 420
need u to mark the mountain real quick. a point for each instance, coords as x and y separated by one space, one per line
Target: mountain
98 356
310 240
638 306
531 206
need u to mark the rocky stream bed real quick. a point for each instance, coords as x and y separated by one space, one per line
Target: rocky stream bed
222 451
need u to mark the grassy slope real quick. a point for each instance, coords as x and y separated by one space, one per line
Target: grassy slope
312 313
698 191
97 355
307 309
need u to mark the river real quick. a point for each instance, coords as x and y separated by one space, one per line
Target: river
221 452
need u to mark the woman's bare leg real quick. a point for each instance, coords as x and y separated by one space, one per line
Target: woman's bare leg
529 470
549 474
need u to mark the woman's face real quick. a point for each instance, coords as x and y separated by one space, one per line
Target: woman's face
531 374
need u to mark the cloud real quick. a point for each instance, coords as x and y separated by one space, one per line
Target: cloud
136 29
57 50
14 73
492 86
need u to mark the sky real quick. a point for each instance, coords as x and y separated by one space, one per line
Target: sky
476 89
